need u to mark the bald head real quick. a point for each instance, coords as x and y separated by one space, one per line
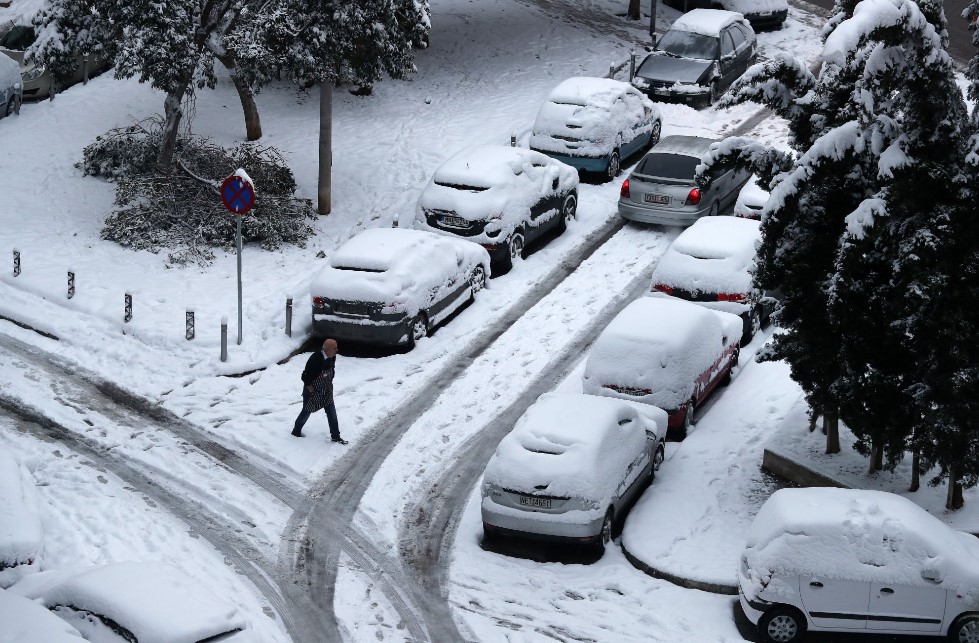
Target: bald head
330 347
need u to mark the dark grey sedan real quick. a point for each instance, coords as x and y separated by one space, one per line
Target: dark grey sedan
661 189
698 58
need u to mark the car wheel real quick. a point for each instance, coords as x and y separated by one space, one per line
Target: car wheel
477 280
782 625
13 106
515 247
605 537
655 134
418 329
752 325
715 210
614 165
714 93
734 362
659 456
568 211
687 421
965 630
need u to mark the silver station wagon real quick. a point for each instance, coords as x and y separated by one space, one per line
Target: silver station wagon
661 189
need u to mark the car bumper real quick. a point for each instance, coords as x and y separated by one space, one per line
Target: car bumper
700 96
583 163
535 526
645 214
362 330
497 251
772 19
752 609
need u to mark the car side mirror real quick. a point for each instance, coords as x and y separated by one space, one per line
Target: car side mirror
931 574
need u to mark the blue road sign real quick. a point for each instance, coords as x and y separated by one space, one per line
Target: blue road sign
238 194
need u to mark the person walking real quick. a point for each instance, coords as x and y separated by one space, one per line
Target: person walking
318 390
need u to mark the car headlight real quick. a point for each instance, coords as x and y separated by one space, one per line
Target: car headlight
33 73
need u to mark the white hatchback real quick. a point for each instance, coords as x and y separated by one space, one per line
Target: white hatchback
845 560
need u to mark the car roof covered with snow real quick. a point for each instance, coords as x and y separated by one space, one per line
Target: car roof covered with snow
24 621
714 255
583 90
706 22
487 166
390 265
660 345
571 445
695 146
155 601
21 536
850 534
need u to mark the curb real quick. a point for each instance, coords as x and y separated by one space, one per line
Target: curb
793 471
713 588
28 326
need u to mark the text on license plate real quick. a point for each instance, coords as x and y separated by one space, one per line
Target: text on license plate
530 501
455 222
657 198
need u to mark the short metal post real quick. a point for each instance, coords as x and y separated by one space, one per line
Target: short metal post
611 69
17 103
289 316
128 316
632 64
394 224
16 262
71 284
652 20
224 338
238 243
513 139
85 69
190 325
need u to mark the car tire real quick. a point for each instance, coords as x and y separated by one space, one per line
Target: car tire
515 247
418 329
614 165
714 95
752 325
477 281
734 362
605 535
782 624
569 211
13 106
965 629
715 210
654 135
659 456
687 420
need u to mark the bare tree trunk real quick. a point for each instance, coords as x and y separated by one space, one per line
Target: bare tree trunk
813 419
876 458
634 10
831 427
915 471
173 113
954 499
326 148
253 124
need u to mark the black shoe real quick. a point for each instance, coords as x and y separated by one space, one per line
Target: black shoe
298 434
340 441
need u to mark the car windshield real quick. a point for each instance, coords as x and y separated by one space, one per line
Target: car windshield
668 166
688 45
18 39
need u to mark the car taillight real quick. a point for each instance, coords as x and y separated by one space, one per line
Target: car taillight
624 192
319 302
694 197
663 288
734 296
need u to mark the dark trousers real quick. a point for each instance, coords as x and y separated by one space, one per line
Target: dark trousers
331 418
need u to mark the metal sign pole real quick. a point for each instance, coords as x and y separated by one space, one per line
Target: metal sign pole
238 243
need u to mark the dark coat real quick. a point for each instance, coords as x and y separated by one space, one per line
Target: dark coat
318 373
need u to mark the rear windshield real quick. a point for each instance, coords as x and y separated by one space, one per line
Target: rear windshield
688 45
358 269
457 186
668 166
18 39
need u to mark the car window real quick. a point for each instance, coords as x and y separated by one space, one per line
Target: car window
18 39
633 103
746 32
740 40
668 166
687 45
727 44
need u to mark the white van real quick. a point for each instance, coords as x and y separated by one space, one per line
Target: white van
845 560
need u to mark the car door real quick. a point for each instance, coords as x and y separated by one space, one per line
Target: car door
729 59
835 604
906 608
741 49
547 179
637 118
632 482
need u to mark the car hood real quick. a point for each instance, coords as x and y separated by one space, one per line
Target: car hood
660 67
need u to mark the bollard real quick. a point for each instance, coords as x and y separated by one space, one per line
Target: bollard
513 139
289 316
190 325
394 224
16 262
128 315
611 69
632 64
85 69
224 338
71 284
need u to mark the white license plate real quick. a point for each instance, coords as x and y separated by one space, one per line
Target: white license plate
530 501
657 198
455 222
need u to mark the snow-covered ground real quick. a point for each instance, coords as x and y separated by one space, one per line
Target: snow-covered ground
488 69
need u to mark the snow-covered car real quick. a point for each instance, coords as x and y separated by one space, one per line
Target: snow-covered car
499 197
391 286
24 621
593 123
847 560
11 87
37 78
703 52
571 468
135 602
666 352
21 537
661 188
711 264
751 200
761 14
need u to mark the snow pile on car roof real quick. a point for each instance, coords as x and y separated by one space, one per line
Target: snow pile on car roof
24 621
21 537
753 7
155 601
706 22
714 255
849 534
574 446
660 345
9 73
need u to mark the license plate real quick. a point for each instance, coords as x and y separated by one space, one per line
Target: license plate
455 222
530 501
657 198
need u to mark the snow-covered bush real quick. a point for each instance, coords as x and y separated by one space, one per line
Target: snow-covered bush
182 212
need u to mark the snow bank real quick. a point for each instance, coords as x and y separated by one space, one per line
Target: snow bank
578 446
21 538
155 601
714 255
706 22
24 621
849 534
9 72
